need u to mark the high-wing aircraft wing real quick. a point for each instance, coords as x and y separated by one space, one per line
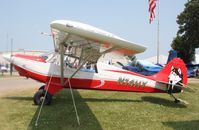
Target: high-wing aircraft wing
64 30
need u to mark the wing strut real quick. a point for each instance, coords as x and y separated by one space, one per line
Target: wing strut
62 63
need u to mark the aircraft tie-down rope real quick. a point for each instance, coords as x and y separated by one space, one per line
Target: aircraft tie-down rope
74 104
38 116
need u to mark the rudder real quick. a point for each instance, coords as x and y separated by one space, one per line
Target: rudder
175 69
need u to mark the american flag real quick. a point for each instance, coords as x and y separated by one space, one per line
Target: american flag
152 5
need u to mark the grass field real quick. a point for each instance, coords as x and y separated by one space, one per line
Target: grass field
101 110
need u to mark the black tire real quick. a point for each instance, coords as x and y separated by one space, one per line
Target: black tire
42 87
39 97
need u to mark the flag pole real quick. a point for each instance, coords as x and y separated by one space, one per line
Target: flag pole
158 35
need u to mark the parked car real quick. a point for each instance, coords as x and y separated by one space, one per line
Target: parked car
4 69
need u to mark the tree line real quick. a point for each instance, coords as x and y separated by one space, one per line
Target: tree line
187 38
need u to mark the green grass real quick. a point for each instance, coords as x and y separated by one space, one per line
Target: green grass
101 110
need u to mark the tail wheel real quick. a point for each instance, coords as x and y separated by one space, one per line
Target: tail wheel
39 97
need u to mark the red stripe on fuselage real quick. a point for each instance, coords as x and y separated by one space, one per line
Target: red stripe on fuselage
30 57
26 73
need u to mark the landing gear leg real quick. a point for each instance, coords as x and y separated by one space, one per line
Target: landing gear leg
175 99
170 89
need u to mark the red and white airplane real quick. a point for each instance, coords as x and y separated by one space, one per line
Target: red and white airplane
74 64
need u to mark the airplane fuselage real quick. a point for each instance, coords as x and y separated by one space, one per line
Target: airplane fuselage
108 77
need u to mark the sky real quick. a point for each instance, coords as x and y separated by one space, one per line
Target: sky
24 20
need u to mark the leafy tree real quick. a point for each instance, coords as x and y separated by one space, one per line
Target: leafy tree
187 38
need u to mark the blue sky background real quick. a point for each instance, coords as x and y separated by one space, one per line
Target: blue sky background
24 20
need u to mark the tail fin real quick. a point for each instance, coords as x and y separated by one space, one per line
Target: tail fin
172 54
175 69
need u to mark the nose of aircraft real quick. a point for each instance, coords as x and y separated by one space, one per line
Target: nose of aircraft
8 57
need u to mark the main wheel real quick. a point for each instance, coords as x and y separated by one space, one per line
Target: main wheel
39 97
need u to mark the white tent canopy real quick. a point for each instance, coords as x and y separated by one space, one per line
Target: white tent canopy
162 59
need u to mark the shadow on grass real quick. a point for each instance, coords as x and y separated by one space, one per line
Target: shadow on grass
109 100
19 98
162 101
183 125
84 99
60 115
